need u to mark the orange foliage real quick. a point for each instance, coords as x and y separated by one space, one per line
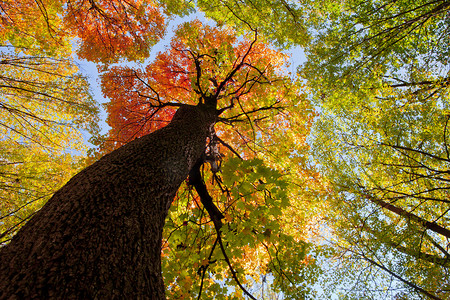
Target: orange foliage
107 30
30 24
112 29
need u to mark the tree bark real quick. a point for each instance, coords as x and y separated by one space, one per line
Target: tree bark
99 237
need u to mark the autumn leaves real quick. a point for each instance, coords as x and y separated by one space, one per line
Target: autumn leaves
377 71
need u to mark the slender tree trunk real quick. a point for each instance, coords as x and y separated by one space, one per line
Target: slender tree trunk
401 212
99 237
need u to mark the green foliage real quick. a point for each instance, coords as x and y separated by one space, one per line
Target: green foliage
378 72
256 232
282 22
177 7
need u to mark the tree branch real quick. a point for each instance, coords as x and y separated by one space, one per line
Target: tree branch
401 212
196 180
216 216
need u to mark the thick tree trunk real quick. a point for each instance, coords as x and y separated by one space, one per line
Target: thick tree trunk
99 237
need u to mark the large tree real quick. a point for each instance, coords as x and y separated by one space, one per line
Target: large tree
101 234
264 194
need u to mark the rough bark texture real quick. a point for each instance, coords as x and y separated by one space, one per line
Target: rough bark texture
99 237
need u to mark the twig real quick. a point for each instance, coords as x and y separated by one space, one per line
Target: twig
206 267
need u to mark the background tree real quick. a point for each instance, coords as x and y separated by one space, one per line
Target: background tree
44 104
283 22
114 30
378 70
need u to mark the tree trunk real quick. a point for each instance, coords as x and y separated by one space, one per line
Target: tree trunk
401 212
100 235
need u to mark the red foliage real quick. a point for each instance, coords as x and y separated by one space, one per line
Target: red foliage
202 61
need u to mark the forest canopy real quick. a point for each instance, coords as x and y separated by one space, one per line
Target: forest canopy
331 181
